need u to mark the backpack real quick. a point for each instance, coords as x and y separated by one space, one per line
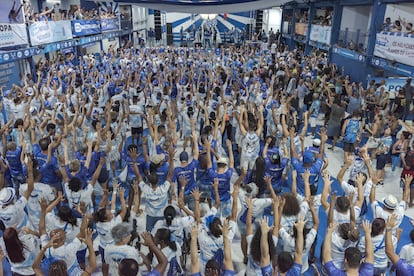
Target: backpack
175 268
46 263
351 131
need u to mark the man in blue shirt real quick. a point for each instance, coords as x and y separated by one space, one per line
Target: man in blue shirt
274 167
13 155
187 170
309 162
47 163
223 174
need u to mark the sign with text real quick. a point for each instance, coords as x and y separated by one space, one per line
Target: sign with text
9 74
110 24
395 47
85 27
44 32
13 35
321 33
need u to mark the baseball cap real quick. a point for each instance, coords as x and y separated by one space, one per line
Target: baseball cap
308 157
316 142
157 158
223 160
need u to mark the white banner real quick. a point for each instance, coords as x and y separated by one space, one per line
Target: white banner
13 35
321 33
44 32
395 46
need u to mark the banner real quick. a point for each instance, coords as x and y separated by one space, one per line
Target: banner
395 47
9 74
49 31
321 33
301 29
110 24
391 84
11 11
85 27
13 35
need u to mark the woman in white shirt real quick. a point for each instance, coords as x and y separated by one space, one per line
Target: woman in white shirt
378 243
165 240
20 249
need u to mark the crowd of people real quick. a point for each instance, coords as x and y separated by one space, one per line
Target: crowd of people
154 154
400 25
55 13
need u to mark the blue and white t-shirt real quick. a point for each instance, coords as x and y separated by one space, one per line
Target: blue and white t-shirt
155 199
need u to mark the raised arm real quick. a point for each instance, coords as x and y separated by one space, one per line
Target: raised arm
299 240
264 245
369 249
389 247
195 264
326 190
30 179
92 257
228 262
249 229
162 260
327 248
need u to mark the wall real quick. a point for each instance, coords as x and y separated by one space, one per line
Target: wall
139 18
356 18
275 18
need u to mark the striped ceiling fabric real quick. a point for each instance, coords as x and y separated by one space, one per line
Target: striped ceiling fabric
205 7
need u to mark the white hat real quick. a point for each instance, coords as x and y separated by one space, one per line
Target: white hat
7 195
157 158
390 202
223 160
316 142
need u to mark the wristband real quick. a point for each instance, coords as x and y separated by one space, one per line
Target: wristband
388 230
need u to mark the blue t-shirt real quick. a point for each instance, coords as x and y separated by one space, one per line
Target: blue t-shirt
365 269
275 170
161 172
153 272
140 163
314 170
404 268
224 183
225 273
82 175
13 160
188 173
47 170
295 270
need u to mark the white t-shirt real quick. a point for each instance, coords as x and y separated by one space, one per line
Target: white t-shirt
338 249
155 199
135 120
66 252
407 253
30 251
71 231
252 267
14 214
378 243
250 144
75 198
104 231
379 212
114 254
40 191
177 227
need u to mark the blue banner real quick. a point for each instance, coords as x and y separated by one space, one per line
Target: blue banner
85 27
110 24
44 32
9 74
349 54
